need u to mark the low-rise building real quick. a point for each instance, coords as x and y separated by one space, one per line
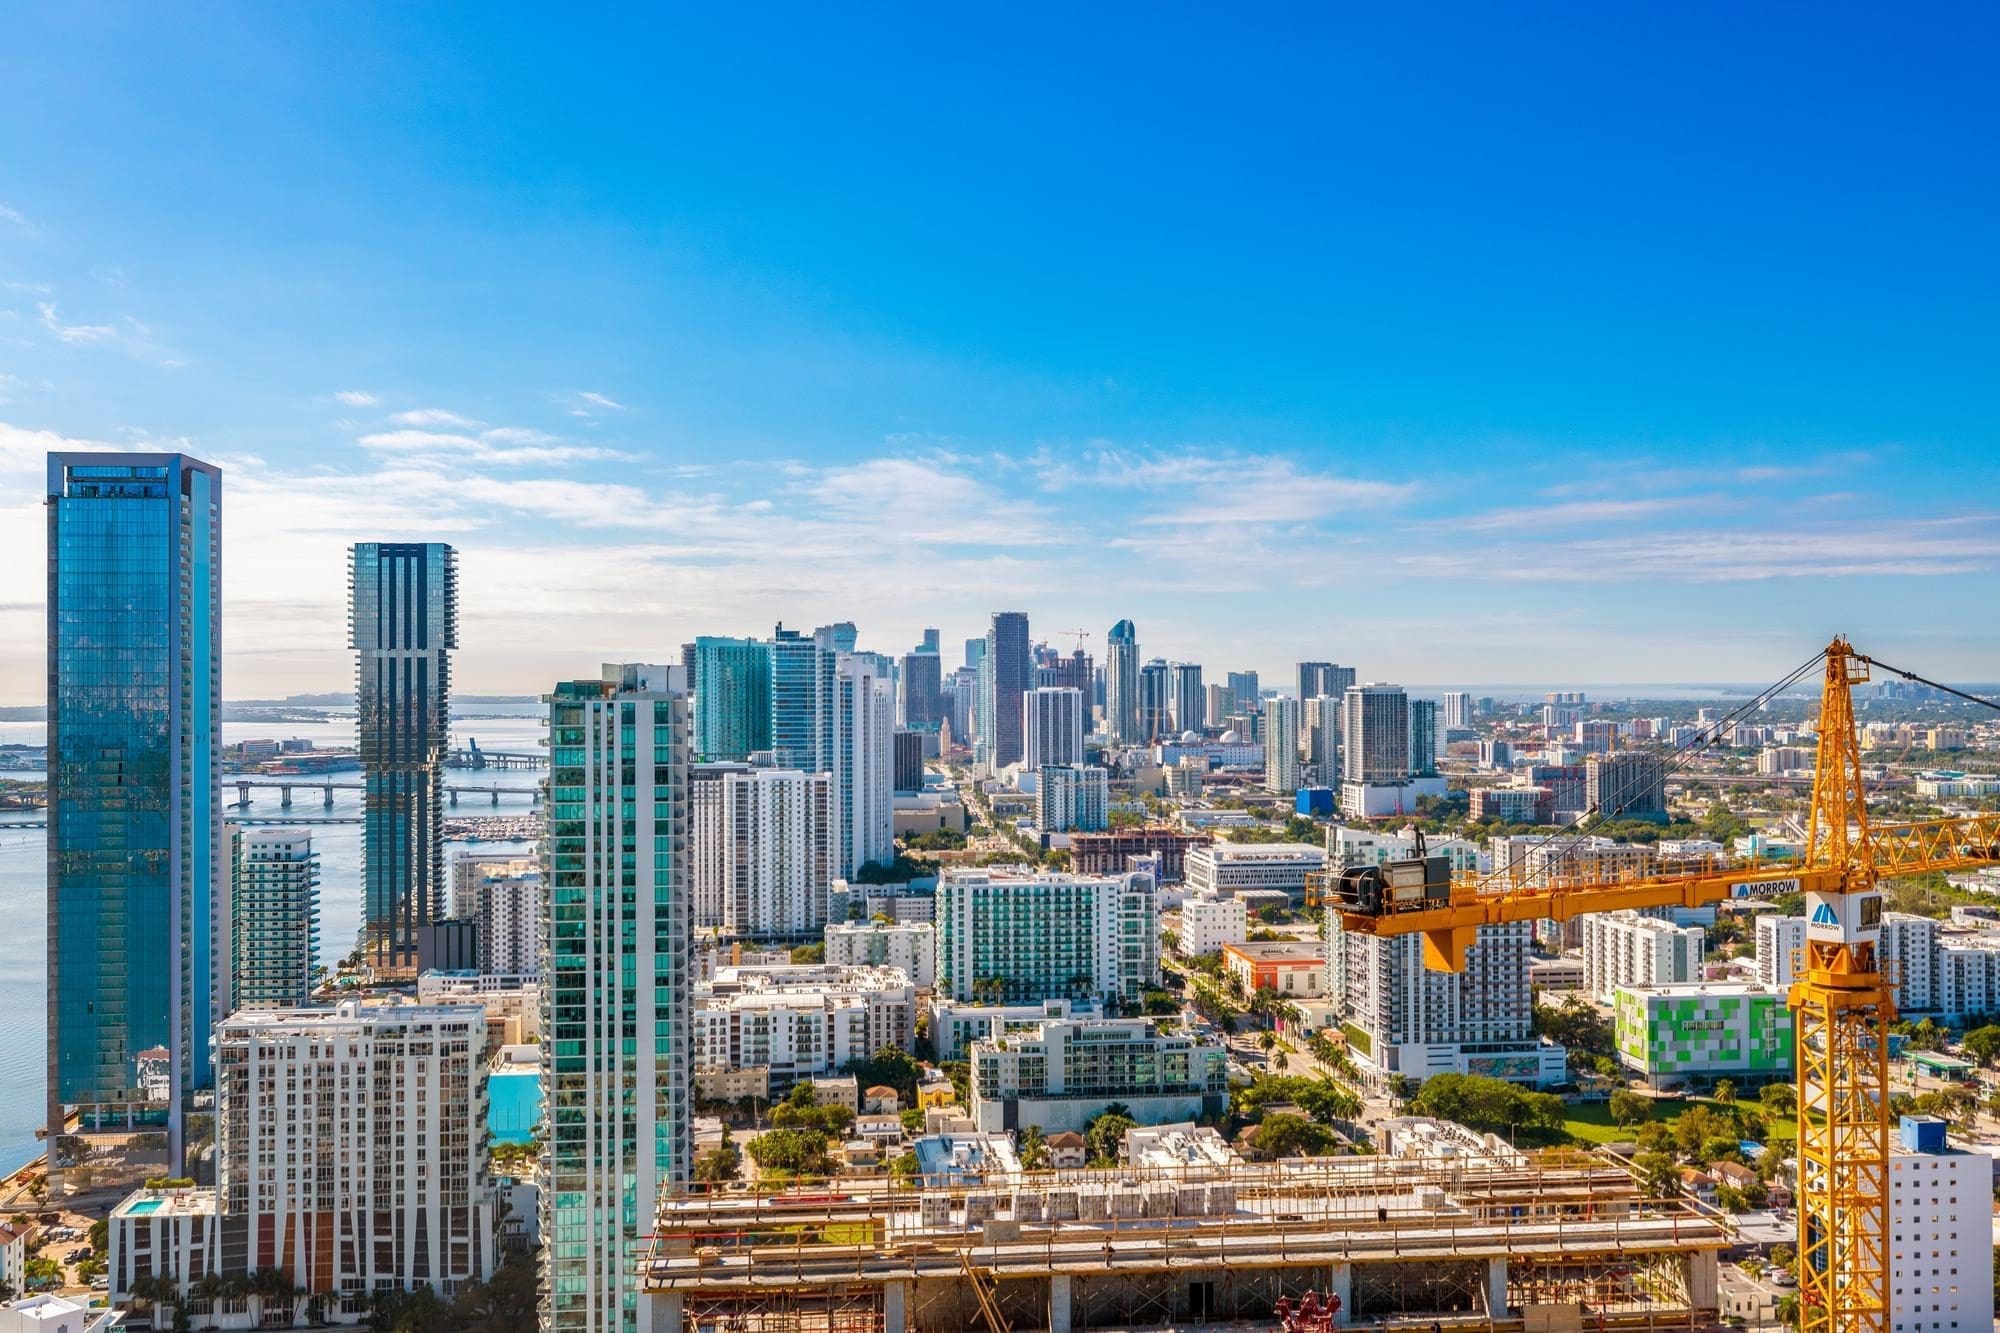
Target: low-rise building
1062 1075
1067 1150
1226 868
513 1004
1209 921
911 946
51 1314
13 1257
1671 1034
1292 968
1940 1232
799 1020
954 1026
1108 853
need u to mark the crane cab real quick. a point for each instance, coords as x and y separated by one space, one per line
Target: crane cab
1408 885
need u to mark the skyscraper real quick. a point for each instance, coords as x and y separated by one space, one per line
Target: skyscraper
1156 701
617 1070
762 849
402 624
1281 745
1457 710
274 900
1375 723
1424 738
732 705
1315 679
921 707
1190 699
1009 674
1121 684
138 878
930 643
1055 727
798 667
864 751
1243 684
1319 723
1055 671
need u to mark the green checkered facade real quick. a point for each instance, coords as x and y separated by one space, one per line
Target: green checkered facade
1676 1031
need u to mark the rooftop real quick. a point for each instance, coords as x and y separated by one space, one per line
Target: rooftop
1263 851
1279 951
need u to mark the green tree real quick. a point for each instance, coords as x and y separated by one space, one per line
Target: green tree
1286 1135
1725 1091
1105 1135
798 1151
1779 1099
1659 1175
1983 1044
1490 1105
891 1066
1034 1148
721 1163
809 953
1628 1108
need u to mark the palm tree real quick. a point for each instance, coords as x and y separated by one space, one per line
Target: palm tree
1725 1091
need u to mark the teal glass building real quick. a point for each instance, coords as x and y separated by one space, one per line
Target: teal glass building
617 1064
138 879
403 626
732 705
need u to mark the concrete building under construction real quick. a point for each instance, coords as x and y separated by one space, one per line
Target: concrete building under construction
1548 1241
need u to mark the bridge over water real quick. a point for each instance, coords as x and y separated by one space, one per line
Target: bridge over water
327 787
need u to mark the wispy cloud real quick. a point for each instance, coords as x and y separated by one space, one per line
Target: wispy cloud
587 404
15 217
504 446
355 398
433 416
76 335
1567 514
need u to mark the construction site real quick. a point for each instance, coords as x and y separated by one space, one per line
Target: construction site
1545 1241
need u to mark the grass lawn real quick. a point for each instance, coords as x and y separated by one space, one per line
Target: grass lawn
1592 1122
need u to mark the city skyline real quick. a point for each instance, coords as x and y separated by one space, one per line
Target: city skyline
824 356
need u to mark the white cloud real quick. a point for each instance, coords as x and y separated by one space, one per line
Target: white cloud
14 216
599 400
76 335
433 416
355 398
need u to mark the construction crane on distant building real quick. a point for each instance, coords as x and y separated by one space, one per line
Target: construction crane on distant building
1078 634
1843 1001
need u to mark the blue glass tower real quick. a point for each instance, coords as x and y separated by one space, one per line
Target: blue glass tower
403 624
138 941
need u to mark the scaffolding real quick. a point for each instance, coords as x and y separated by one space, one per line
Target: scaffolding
1182 1245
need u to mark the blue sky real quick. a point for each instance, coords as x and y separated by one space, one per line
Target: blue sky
1461 344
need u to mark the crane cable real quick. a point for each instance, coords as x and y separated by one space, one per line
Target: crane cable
1914 677
1580 828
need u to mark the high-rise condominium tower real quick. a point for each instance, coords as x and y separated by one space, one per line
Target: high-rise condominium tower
1424 738
1190 699
618 1070
732 702
403 625
1009 668
1243 684
1055 727
1281 745
1121 684
1375 724
138 913
1156 701
274 898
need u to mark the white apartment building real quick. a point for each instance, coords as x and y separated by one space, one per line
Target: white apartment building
954 1026
1072 798
469 868
761 849
1319 738
1228 868
1054 721
351 1151
864 734
504 896
1281 745
1457 711
1404 1019
1020 937
274 917
800 1021
1780 940
513 1004
1626 949
910 946
1940 1233
1209 921
1063 1073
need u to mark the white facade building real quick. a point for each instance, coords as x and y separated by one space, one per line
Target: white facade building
954 1026
1055 721
1281 745
1376 728
1457 711
504 896
350 1151
1780 940
910 946
1626 949
799 1021
274 909
762 849
1347 847
1072 798
1228 868
1940 1234
1063 1074
864 743
1209 921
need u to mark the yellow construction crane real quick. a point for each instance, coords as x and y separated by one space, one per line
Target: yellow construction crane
1842 1001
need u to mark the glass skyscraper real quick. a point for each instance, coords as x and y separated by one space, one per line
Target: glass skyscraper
402 625
138 880
732 703
617 1069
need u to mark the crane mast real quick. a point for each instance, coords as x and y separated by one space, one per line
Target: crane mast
1843 1002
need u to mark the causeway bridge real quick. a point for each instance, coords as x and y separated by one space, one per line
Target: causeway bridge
327 787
